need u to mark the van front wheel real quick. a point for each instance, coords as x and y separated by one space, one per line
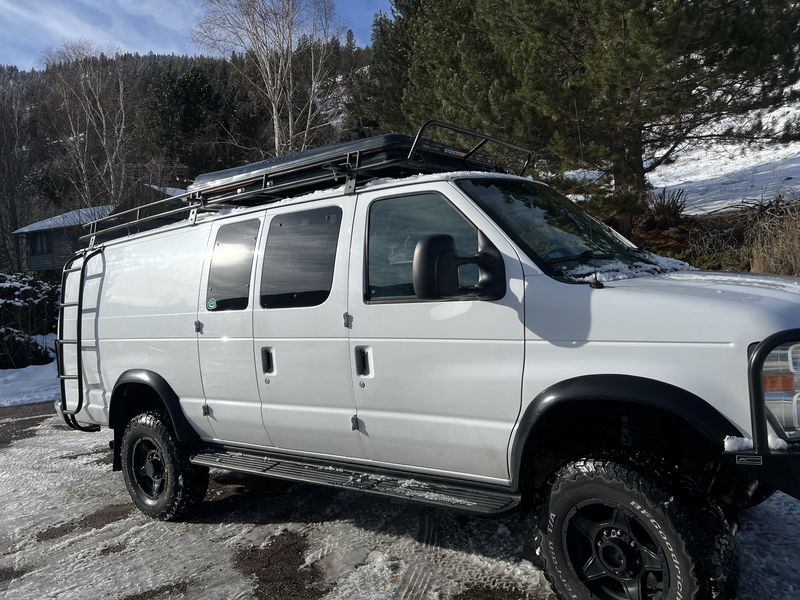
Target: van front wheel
608 533
161 481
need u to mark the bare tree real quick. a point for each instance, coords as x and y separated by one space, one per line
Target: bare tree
91 112
17 114
287 58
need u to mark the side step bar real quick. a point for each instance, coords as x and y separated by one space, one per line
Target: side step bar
468 498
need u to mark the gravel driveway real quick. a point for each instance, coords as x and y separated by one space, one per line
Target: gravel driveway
69 530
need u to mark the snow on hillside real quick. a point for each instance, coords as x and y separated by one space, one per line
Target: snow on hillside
724 175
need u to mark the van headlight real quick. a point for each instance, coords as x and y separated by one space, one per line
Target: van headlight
781 379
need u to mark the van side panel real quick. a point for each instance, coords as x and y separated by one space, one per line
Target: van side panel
140 305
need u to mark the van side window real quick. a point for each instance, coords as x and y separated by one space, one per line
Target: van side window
231 263
299 258
395 227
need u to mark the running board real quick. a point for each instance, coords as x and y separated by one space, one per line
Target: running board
463 497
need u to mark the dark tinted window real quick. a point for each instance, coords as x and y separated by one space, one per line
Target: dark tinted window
299 258
231 263
395 227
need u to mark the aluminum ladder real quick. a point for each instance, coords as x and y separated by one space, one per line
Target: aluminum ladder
67 414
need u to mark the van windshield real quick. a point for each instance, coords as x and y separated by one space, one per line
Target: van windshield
556 233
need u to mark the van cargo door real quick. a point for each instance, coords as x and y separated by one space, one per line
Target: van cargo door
225 332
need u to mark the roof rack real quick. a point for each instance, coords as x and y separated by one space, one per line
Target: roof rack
353 163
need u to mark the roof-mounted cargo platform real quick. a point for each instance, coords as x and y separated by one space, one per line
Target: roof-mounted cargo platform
350 163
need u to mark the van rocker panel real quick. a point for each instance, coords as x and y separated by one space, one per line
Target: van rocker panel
477 499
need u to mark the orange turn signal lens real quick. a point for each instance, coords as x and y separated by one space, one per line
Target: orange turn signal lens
783 382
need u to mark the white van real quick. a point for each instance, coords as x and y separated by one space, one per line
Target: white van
463 338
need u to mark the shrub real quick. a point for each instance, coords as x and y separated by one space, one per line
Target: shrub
18 349
775 240
668 206
28 308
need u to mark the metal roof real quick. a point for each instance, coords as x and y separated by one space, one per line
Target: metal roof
73 218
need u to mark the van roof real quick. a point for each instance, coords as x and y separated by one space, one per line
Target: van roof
357 163
317 195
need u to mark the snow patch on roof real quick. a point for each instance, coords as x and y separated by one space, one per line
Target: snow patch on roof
80 216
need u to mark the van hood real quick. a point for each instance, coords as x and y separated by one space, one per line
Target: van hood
719 306
690 307
728 287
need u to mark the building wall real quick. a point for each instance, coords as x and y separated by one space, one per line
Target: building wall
63 243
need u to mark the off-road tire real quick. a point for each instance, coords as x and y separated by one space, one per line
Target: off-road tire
690 536
181 484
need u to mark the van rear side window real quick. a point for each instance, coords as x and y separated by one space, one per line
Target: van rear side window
299 258
231 264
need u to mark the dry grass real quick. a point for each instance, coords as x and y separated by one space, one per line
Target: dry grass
775 240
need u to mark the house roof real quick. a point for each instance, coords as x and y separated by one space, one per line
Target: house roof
72 218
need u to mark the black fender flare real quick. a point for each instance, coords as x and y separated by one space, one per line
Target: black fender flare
183 429
618 388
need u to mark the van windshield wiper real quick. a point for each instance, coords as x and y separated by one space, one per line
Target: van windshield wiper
583 256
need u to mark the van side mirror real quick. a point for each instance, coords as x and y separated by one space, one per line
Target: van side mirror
435 270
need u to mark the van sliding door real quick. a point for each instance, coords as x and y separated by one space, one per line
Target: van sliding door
300 330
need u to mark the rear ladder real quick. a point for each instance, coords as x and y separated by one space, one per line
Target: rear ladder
67 414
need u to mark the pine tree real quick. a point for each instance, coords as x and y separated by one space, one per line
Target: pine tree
618 85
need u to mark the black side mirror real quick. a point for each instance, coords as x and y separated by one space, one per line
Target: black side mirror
435 270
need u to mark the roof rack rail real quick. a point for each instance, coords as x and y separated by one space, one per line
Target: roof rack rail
351 163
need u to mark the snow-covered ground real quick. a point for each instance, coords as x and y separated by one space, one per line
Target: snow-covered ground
37 383
724 175
69 531
719 175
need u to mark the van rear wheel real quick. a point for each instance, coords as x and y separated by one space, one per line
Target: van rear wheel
160 480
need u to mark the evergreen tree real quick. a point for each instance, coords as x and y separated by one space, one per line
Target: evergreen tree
619 85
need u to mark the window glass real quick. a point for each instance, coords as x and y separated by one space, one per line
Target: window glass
395 227
231 263
299 258
40 244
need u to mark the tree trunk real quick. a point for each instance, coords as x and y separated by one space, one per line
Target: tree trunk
629 172
630 185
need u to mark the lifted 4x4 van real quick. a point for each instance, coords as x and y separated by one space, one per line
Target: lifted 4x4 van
464 338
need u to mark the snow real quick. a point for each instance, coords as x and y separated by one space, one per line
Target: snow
168 191
738 444
37 383
718 175
80 216
613 270
363 547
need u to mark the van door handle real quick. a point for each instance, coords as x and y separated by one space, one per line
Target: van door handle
362 361
267 361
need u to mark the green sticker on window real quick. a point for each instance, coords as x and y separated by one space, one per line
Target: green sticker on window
211 304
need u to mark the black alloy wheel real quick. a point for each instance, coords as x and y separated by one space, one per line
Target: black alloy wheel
148 468
614 554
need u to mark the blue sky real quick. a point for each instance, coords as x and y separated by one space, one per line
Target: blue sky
29 28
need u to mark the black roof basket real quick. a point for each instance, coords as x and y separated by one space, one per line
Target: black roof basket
350 163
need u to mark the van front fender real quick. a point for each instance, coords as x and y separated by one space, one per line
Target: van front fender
627 389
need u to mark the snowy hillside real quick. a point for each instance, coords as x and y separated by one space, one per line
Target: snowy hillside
723 175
